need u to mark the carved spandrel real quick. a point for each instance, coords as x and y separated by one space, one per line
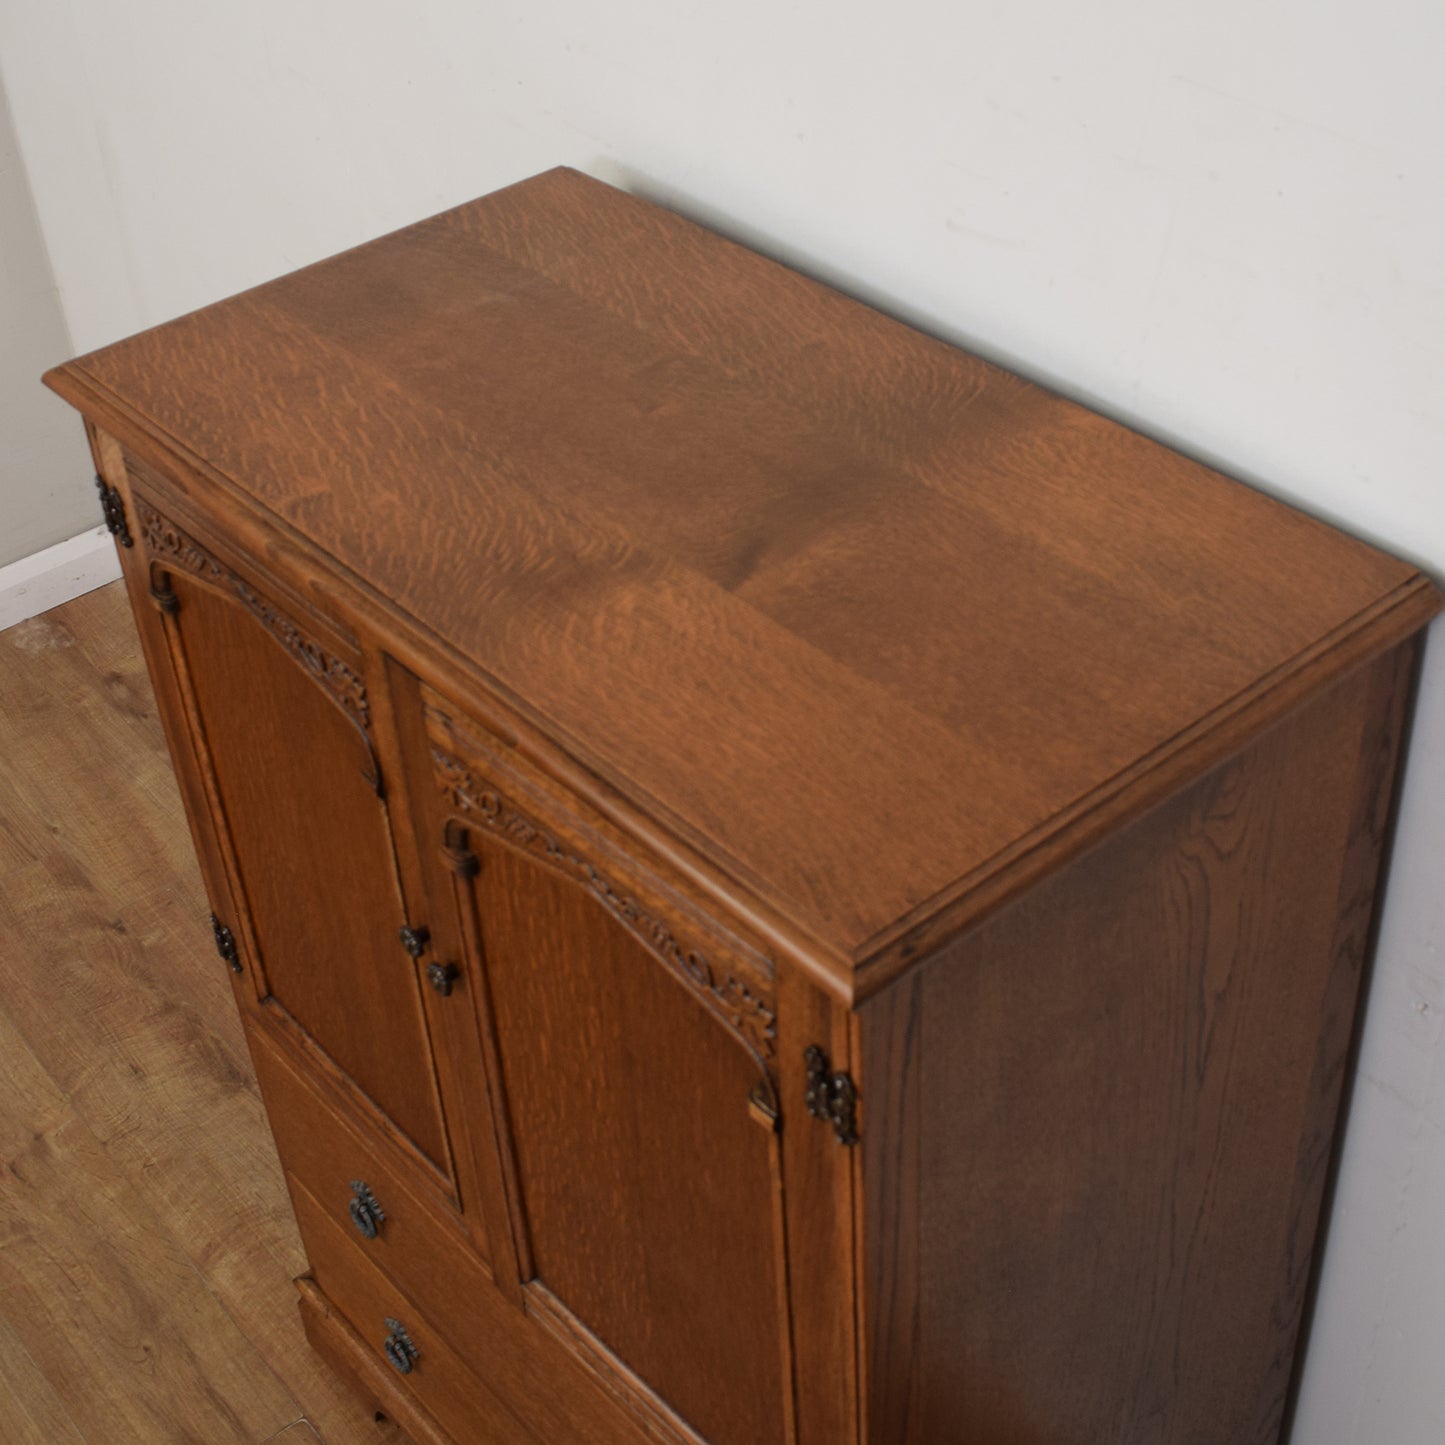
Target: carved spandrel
167 543
742 1005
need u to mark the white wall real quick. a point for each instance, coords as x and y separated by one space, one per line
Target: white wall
46 493
1222 221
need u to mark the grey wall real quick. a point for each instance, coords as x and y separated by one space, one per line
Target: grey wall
46 492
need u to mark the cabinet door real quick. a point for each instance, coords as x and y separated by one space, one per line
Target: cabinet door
631 1053
277 718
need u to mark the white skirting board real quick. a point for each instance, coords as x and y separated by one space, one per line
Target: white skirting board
45 579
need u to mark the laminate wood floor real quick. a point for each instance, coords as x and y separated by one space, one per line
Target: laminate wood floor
146 1240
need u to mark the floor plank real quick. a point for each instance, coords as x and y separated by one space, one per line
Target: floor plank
111 982
31 1413
96 1290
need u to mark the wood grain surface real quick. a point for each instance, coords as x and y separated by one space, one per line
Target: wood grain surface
148 1241
866 624
1101 1124
644 1180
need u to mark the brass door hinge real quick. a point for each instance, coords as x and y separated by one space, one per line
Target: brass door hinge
831 1095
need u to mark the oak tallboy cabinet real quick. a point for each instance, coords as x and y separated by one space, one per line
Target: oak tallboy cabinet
786 886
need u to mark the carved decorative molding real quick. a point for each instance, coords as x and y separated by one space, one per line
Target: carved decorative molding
745 1010
168 543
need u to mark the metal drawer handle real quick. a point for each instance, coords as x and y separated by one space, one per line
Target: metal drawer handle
442 976
366 1212
399 1348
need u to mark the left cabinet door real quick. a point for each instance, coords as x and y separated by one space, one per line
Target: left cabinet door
275 713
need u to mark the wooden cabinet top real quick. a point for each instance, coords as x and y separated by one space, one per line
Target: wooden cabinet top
873 631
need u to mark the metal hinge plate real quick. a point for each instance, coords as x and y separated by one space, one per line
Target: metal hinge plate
226 944
113 509
831 1095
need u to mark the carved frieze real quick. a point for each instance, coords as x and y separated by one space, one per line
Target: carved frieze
167 543
742 1004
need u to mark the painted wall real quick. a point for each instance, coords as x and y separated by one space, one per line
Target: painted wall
1222 222
46 492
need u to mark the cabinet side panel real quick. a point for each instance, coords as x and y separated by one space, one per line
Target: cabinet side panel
1100 1124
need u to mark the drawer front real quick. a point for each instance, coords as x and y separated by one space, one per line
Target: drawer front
404 1338
425 1246
428 1260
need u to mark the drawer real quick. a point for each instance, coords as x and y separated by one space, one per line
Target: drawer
427 1259
524 1365
329 1154
416 1351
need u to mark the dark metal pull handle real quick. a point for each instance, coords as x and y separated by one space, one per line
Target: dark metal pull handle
399 1348
442 976
366 1212
415 940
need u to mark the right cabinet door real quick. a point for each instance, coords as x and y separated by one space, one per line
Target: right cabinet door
636 1118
